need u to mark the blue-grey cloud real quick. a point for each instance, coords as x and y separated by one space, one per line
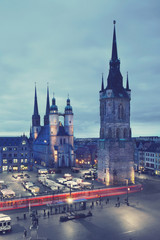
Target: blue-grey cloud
68 44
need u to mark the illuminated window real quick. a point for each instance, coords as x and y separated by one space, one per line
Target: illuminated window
23 142
15 149
4 160
25 160
4 148
15 160
22 160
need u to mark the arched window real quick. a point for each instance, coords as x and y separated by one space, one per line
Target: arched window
102 132
125 133
109 133
117 133
120 112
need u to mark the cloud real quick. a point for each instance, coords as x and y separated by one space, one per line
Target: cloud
68 44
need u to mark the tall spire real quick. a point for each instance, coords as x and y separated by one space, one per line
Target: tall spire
35 116
114 45
46 117
35 103
115 80
102 86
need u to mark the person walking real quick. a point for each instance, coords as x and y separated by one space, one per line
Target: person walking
25 233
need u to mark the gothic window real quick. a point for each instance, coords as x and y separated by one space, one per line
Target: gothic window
61 141
125 133
130 133
117 133
120 112
105 108
102 132
109 133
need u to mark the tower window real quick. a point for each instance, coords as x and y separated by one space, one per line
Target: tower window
120 112
109 133
117 133
125 134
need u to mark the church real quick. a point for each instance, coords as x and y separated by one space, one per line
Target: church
53 143
116 149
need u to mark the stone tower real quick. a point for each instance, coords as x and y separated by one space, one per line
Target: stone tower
116 151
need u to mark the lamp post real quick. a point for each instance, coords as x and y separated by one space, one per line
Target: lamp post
70 200
92 182
127 191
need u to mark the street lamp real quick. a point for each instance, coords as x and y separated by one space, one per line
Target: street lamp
92 183
128 189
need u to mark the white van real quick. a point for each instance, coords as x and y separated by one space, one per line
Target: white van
5 223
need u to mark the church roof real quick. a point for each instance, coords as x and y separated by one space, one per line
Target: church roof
43 137
61 131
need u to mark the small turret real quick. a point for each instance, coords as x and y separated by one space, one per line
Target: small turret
102 86
127 87
68 108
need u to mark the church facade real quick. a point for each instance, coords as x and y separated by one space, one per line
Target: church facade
116 149
53 143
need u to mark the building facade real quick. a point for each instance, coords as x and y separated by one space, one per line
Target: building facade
15 154
116 149
86 151
53 143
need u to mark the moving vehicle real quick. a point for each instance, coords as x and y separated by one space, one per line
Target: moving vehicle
5 223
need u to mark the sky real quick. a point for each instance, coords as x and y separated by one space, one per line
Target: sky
68 44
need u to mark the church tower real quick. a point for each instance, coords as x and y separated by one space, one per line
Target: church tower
115 157
35 118
68 121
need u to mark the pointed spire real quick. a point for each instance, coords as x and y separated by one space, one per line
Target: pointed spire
47 104
30 134
127 84
115 80
35 116
46 117
35 103
114 45
102 86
